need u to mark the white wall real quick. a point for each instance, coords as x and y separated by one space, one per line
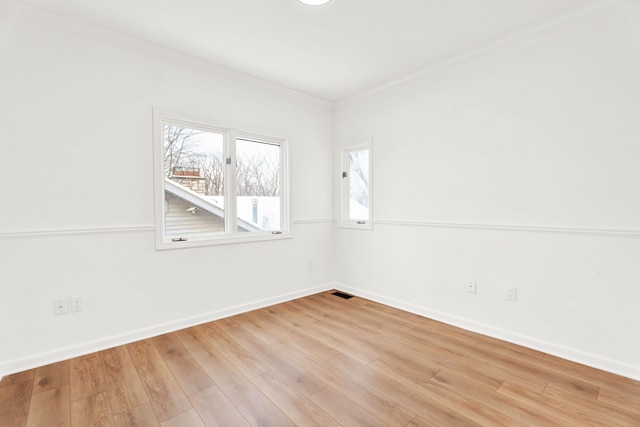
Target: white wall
77 190
542 135
517 167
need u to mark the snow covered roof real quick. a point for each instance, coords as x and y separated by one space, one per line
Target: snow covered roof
200 202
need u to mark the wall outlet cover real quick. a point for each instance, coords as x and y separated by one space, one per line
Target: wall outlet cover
77 303
472 288
59 306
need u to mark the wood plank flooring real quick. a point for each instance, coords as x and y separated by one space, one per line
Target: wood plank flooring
319 361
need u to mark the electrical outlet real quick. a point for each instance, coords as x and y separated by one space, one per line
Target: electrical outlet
512 293
472 287
59 306
77 303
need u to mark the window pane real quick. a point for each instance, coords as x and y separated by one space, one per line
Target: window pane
359 185
258 179
194 181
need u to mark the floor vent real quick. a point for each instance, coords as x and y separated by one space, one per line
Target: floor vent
342 295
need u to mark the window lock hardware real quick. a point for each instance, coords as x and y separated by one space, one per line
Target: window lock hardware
276 232
228 160
178 239
344 174
361 222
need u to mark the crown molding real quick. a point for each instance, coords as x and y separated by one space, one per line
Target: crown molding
568 19
21 11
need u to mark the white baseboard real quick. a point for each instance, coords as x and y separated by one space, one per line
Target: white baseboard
7 368
57 355
573 355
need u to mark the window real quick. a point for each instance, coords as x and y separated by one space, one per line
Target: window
356 206
217 185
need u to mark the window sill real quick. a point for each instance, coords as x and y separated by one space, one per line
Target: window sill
368 225
196 242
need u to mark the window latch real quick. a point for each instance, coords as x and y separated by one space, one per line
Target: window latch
228 160
276 232
361 222
178 239
344 174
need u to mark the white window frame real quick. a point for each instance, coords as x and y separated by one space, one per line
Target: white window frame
230 235
345 220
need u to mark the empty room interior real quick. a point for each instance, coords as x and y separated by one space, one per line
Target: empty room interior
365 212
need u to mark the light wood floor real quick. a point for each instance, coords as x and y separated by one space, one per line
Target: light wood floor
320 360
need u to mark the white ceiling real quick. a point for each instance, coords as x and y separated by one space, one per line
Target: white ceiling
332 51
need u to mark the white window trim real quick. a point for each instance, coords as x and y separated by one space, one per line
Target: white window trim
344 220
229 236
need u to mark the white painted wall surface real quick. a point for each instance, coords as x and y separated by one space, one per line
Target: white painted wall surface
76 118
542 134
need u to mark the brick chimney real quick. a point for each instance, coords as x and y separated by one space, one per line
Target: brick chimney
190 178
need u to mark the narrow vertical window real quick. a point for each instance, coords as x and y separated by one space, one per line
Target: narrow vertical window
356 184
193 181
258 185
